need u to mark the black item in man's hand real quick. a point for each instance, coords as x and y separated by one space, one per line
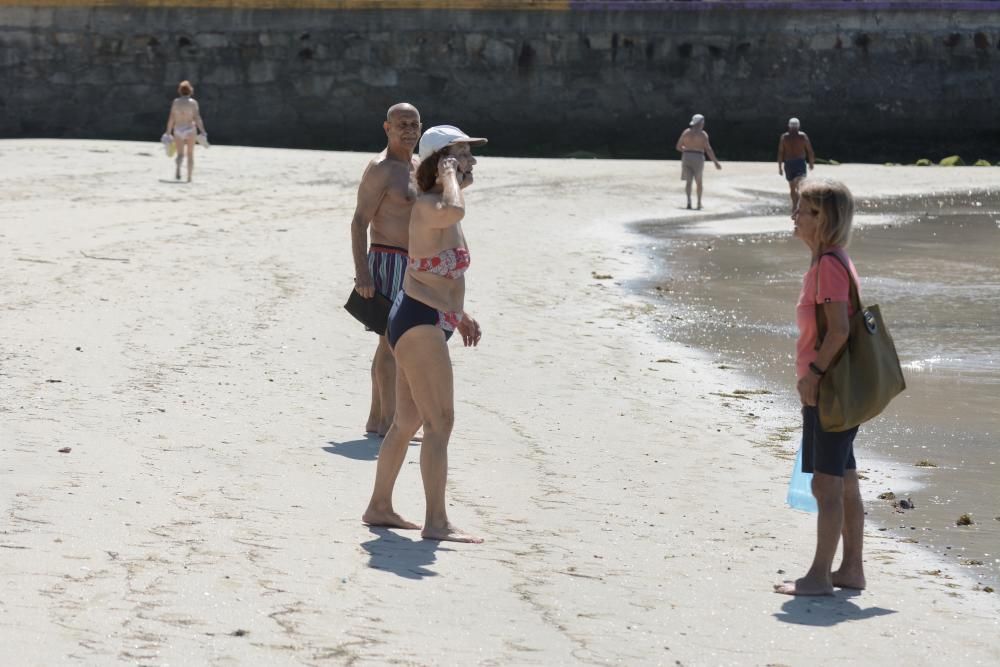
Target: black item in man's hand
373 313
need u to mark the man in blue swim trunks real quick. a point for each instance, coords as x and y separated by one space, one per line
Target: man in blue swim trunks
794 153
385 197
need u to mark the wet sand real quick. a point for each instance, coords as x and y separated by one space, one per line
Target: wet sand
185 348
934 265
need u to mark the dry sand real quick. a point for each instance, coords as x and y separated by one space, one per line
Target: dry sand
187 343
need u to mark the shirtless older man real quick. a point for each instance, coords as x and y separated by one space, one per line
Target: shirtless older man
694 146
385 197
794 150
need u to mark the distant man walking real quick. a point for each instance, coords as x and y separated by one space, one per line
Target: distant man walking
385 197
794 151
694 146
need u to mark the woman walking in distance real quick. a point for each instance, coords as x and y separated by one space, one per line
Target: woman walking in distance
184 124
426 312
823 220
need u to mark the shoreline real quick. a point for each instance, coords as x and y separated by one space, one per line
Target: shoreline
212 393
881 472
759 395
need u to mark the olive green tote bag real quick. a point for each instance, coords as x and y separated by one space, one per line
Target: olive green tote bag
865 375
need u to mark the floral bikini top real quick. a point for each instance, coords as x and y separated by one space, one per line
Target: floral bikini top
450 263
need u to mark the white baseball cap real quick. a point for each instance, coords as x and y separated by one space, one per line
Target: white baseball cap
697 118
439 136
793 121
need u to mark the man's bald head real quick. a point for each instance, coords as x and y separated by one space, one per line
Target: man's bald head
403 108
402 128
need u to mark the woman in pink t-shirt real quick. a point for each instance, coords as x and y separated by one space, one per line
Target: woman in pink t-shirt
823 222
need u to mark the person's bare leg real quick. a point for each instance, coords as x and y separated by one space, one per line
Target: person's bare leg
179 147
829 492
385 380
698 179
424 353
375 412
687 190
794 191
190 156
852 570
391 455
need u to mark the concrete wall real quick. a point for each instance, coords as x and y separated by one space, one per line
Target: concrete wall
889 81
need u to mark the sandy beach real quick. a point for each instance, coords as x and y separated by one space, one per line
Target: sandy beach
186 347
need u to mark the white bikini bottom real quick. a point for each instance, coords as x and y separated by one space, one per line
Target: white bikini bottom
185 132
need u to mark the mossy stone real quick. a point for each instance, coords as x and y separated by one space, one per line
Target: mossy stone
981 163
952 161
923 162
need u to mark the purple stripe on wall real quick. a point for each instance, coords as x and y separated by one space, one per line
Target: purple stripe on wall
822 5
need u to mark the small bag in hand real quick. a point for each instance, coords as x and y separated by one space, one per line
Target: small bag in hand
168 144
800 495
865 375
373 313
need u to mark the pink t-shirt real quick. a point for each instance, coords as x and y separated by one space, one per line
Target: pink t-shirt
834 287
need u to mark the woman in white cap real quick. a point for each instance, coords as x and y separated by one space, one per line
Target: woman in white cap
426 312
693 146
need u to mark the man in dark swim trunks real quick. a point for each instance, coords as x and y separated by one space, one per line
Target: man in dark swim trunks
385 197
794 152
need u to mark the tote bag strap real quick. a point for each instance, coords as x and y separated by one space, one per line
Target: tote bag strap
854 297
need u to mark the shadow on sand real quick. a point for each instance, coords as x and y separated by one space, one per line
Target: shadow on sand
363 449
827 611
400 555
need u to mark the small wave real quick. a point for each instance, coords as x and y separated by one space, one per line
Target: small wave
932 362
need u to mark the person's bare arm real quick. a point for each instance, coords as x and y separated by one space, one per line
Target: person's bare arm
370 192
680 142
781 155
197 118
809 152
450 208
170 120
710 153
838 328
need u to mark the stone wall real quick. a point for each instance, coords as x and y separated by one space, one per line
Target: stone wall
891 81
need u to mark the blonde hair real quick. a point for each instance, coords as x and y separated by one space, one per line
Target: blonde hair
836 203
185 88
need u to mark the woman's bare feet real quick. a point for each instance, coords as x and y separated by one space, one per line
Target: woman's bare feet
449 533
804 586
845 578
387 518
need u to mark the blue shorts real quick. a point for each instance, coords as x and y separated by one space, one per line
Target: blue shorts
388 266
795 169
823 451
